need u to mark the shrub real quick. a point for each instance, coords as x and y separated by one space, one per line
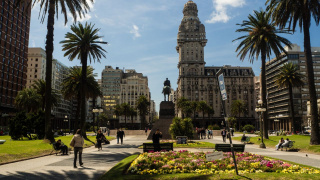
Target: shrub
214 127
19 126
181 127
248 128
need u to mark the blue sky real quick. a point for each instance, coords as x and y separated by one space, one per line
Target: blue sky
142 35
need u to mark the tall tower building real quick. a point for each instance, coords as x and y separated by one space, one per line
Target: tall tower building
191 42
14 39
196 82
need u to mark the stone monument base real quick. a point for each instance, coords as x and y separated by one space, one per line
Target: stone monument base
165 120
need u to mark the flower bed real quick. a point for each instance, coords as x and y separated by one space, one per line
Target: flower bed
188 162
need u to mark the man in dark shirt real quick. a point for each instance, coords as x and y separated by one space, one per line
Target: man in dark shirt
156 140
224 134
64 148
121 135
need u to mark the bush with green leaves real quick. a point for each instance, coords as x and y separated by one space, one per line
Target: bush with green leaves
181 127
248 128
38 123
20 127
214 127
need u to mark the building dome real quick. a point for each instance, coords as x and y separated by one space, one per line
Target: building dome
190 9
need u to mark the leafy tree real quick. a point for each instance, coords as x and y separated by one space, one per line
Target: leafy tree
38 122
290 77
28 99
203 107
40 87
293 13
125 111
143 106
19 127
132 113
210 111
185 106
71 87
76 8
237 108
103 119
261 39
232 122
83 43
248 128
117 110
194 108
181 127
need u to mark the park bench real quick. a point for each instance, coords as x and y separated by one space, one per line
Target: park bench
288 146
227 147
157 147
55 149
246 140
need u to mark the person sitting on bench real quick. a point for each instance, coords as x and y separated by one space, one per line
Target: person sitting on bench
278 146
64 148
286 143
244 137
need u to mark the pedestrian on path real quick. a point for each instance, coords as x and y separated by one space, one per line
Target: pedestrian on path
99 138
121 135
223 134
156 140
108 131
77 142
146 130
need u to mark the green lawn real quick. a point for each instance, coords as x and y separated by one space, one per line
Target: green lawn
301 142
118 173
192 144
13 150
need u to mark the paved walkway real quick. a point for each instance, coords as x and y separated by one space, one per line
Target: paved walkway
297 157
96 163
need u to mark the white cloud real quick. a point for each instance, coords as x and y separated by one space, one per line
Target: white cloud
135 31
220 14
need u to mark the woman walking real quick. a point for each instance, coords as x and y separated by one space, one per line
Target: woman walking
77 142
99 140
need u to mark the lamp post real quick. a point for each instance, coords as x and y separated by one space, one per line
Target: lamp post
261 109
65 120
97 110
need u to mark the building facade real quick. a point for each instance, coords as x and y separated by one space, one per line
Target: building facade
196 82
278 98
14 40
36 65
134 85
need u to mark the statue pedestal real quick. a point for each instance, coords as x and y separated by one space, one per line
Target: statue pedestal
166 115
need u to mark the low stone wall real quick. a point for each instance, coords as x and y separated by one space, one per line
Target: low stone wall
130 132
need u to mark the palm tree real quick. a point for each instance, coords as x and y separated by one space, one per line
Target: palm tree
143 107
300 12
117 110
290 77
132 113
183 104
71 87
203 107
76 8
194 105
28 99
261 40
210 111
238 107
40 87
83 43
125 111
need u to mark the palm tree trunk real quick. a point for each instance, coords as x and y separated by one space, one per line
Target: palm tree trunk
132 121
84 58
264 95
292 109
315 135
76 123
49 52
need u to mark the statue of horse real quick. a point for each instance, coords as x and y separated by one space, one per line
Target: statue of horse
166 91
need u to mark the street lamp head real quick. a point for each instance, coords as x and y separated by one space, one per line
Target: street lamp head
260 102
66 116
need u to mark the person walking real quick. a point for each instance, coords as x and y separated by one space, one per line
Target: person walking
121 135
146 130
108 132
77 142
99 139
156 140
223 134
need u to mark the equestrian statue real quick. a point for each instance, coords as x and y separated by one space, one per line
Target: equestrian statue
166 89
